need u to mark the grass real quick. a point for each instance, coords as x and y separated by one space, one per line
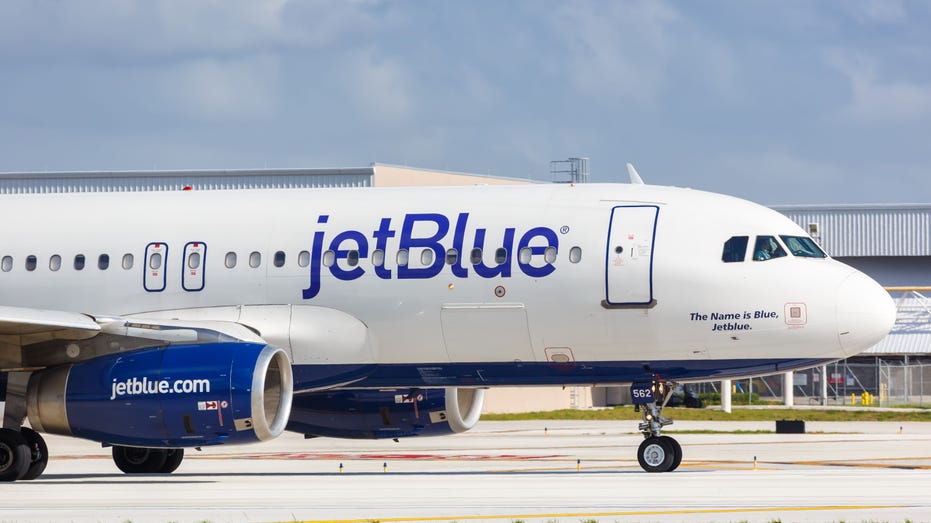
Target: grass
627 413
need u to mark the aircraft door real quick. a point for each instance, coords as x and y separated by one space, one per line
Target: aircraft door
192 275
155 260
629 257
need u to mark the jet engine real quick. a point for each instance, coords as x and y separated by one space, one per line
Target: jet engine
173 396
371 414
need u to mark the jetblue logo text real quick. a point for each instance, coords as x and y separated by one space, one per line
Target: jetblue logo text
135 386
427 231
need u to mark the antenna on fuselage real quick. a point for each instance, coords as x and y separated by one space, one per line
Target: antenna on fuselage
634 177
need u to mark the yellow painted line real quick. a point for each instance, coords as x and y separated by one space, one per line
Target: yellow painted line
670 512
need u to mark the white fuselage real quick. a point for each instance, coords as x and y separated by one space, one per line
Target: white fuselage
613 278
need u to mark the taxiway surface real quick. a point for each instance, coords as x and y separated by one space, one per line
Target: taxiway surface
563 471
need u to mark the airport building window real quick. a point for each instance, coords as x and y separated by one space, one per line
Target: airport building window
329 258
549 255
255 259
31 262
279 259
352 258
378 258
103 262
426 257
402 258
127 261
54 263
803 247
155 261
575 254
735 249
452 256
193 260
79 262
6 264
475 257
303 259
501 255
767 248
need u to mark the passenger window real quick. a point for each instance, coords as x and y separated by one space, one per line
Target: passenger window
6 264
279 259
402 258
193 260
525 255
303 259
452 256
501 255
803 247
767 248
103 262
549 255
127 261
54 263
735 249
31 262
426 257
255 259
79 262
329 258
575 254
155 261
352 258
230 260
475 257
378 258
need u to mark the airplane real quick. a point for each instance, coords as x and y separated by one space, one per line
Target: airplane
154 322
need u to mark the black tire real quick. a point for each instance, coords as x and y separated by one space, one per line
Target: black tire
14 455
676 452
139 460
655 455
173 461
38 453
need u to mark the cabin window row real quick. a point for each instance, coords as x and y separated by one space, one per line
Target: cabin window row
476 256
55 262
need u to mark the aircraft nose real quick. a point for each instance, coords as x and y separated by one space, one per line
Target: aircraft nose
865 313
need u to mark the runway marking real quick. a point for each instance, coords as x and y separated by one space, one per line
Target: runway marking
617 513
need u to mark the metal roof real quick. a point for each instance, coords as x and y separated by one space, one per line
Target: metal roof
867 230
911 333
133 181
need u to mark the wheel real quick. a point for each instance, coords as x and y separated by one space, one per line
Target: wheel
14 455
676 452
38 453
139 460
173 461
655 455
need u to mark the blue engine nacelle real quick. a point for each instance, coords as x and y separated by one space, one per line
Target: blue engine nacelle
370 414
173 396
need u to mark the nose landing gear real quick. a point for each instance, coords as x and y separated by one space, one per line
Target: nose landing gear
657 453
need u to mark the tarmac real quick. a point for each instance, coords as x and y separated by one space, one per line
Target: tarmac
554 471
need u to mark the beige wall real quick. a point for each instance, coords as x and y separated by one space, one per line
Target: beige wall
397 176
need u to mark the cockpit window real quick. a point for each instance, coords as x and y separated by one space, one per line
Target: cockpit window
735 249
803 247
767 248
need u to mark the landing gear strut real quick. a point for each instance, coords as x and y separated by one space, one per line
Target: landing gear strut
657 453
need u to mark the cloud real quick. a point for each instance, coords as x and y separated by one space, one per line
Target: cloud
877 99
213 89
877 11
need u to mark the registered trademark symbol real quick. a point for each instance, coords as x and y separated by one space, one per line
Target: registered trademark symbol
564 229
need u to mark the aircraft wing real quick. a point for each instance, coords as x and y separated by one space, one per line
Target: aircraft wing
32 339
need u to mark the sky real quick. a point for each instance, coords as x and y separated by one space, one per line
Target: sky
780 102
